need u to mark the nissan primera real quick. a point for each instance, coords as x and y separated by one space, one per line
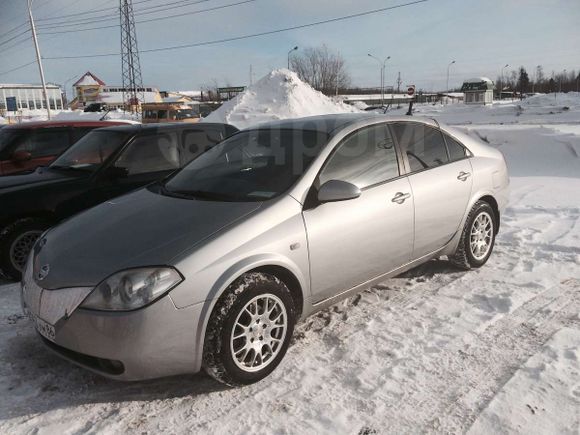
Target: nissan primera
211 268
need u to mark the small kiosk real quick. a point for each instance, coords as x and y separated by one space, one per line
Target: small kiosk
478 91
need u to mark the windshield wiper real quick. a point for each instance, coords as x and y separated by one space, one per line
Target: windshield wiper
70 168
197 194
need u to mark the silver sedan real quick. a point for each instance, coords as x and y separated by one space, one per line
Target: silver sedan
211 268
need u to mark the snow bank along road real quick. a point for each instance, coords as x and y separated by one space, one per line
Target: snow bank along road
436 350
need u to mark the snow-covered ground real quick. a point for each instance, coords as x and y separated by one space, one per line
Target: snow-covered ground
70 115
493 350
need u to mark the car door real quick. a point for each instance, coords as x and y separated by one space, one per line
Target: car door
147 158
351 242
441 186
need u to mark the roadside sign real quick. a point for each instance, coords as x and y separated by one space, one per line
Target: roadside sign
411 90
11 104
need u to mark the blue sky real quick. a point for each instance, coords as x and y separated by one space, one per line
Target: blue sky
481 36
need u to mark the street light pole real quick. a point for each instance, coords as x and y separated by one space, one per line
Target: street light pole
289 53
501 88
383 64
563 74
448 66
38 58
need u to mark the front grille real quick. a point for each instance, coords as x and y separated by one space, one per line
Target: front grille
50 305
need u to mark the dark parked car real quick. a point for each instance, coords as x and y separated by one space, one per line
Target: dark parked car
104 164
24 147
96 107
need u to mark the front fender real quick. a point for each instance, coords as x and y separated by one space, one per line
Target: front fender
227 278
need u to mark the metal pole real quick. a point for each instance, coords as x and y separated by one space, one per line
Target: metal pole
294 49
448 66
38 58
501 88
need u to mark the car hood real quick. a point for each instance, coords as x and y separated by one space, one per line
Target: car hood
40 177
142 228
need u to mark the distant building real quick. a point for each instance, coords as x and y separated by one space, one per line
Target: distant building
478 91
91 89
87 89
30 96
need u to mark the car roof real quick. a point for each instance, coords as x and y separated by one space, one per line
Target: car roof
64 123
332 123
168 126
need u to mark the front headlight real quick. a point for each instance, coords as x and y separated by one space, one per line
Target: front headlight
132 289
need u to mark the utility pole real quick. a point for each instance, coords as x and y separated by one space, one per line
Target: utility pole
133 92
251 76
38 58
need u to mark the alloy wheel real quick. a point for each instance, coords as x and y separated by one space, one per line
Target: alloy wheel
258 332
481 234
21 246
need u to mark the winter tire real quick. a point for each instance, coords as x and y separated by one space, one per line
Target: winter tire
249 330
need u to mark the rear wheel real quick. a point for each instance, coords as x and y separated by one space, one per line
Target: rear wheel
478 237
16 242
249 330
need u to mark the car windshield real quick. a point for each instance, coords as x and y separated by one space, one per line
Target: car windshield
253 165
89 153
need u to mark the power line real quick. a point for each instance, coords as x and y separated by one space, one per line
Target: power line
154 19
17 68
254 35
14 37
90 11
110 17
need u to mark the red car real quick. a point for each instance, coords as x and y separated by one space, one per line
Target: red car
24 147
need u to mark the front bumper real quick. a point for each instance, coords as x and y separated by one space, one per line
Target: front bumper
152 342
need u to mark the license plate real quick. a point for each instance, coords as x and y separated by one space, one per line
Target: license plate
45 329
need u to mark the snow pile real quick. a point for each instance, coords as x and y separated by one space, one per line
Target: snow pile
278 95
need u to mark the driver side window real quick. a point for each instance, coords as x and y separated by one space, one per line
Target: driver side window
424 145
364 158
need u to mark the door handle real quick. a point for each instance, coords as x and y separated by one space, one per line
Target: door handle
400 197
463 176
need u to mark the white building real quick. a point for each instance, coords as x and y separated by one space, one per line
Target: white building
478 91
30 96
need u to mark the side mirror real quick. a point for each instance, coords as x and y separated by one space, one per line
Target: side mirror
337 190
21 156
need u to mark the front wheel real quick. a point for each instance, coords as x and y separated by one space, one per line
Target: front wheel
478 237
16 241
249 330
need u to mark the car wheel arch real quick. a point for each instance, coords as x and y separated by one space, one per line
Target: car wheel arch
494 205
283 270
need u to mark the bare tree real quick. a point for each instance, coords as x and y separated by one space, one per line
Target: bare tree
323 69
